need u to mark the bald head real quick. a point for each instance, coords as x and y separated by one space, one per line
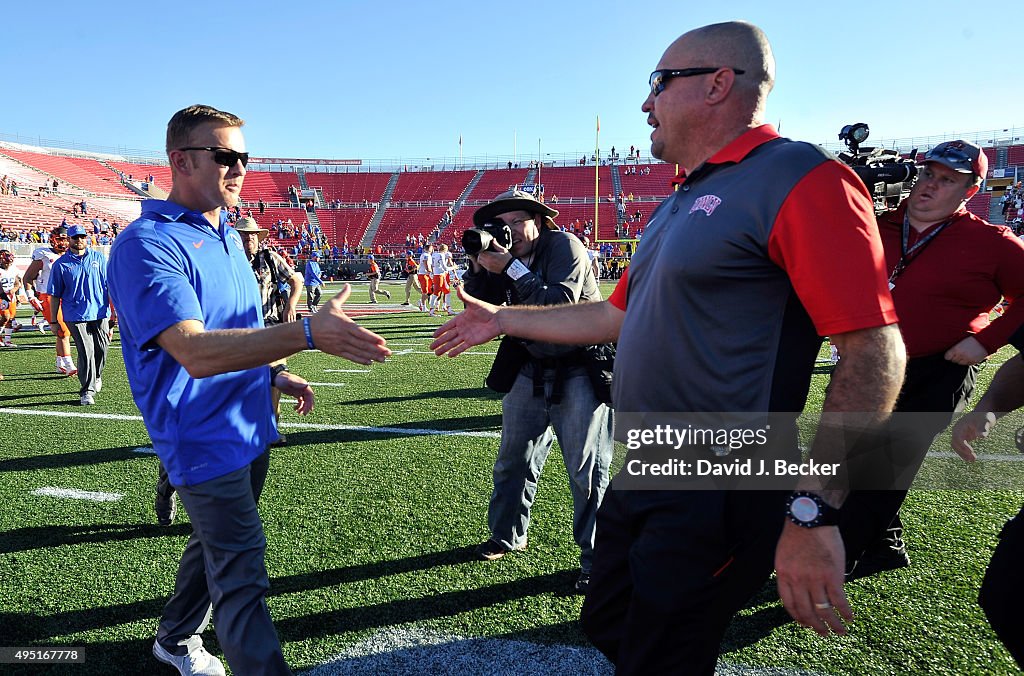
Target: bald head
696 114
736 44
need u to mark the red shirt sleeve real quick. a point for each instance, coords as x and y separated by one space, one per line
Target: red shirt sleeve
618 297
827 242
1008 253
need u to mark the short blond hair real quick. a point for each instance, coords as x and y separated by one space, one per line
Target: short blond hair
185 121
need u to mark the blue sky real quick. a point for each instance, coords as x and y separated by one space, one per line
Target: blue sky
386 80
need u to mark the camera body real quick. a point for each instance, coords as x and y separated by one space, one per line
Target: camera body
475 240
887 175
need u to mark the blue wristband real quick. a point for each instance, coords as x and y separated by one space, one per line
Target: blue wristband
308 332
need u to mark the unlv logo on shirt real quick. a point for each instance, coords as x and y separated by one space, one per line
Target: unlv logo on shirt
706 203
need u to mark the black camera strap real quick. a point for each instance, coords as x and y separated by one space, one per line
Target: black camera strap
908 255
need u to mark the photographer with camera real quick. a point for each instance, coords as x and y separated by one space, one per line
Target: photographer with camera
518 256
947 269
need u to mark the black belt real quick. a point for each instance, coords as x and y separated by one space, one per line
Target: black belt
560 365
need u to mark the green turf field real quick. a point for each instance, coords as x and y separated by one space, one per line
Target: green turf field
371 514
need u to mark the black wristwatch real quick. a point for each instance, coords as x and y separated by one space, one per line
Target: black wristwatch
275 371
808 510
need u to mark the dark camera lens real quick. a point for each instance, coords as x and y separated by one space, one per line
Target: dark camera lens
474 241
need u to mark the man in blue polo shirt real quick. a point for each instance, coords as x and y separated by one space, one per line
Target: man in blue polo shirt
196 353
78 285
313 281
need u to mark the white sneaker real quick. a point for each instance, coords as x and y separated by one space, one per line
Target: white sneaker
86 400
99 385
41 327
196 662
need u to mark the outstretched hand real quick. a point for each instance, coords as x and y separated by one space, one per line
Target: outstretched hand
477 324
974 425
297 387
334 332
810 565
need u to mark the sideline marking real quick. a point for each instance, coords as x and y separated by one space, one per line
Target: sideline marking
415 650
347 371
400 431
327 384
403 431
75 494
998 457
464 354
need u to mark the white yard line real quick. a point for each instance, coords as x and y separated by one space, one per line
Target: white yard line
398 431
75 494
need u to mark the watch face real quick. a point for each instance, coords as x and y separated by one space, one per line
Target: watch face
804 509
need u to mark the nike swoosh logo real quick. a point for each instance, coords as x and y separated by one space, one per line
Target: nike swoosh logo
198 244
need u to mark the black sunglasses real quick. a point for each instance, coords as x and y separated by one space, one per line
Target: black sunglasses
225 157
660 77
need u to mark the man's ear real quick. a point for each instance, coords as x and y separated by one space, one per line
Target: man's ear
179 160
721 85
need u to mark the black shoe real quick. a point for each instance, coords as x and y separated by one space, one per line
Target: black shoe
886 554
582 583
166 509
282 440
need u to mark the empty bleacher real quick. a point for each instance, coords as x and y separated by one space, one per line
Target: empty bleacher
462 222
273 214
993 157
24 214
350 188
573 182
83 173
401 221
655 184
28 179
496 181
271 186
569 214
645 209
47 212
431 186
1015 156
161 173
980 204
348 223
